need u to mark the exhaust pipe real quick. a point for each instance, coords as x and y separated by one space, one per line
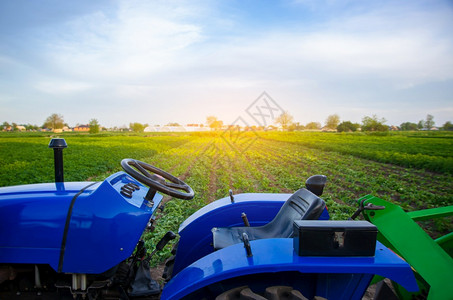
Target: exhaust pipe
58 145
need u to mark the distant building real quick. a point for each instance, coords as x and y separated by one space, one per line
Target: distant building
82 128
394 128
327 129
188 127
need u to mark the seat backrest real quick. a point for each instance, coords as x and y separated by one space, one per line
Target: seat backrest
302 205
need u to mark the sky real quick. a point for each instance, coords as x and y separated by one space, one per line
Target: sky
157 62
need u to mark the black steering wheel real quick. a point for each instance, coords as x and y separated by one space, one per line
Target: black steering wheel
156 179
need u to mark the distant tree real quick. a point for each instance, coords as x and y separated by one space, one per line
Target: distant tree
374 124
313 126
332 121
30 127
429 123
173 124
94 126
421 124
210 120
285 120
54 121
138 127
14 127
347 126
4 126
214 123
448 126
296 126
408 126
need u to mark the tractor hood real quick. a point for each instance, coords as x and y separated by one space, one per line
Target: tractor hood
75 227
33 218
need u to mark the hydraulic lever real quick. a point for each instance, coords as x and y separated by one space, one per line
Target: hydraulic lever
369 206
170 235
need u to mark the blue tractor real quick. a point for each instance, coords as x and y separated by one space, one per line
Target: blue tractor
82 240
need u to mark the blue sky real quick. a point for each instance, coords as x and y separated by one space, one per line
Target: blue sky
179 61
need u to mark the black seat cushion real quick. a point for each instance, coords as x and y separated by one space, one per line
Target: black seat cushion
302 205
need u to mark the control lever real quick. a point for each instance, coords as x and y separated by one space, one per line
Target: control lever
369 206
170 235
245 220
246 241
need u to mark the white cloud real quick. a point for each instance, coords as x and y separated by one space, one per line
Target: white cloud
58 87
138 42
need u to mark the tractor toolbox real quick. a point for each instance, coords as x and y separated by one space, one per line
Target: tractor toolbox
334 238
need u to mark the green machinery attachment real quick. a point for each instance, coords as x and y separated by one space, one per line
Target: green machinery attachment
430 259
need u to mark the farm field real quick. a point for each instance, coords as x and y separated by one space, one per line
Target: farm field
213 163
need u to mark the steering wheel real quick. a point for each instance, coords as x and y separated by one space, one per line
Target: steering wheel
157 179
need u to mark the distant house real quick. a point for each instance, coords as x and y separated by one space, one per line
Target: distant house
166 128
327 129
83 128
394 128
20 128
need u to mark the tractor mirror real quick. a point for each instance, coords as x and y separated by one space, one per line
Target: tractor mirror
316 183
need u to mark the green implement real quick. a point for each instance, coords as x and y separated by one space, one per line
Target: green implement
430 259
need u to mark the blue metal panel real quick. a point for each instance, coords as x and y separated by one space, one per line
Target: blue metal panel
277 255
105 226
195 232
32 219
75 227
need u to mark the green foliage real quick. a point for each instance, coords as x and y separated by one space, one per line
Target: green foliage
26 158
214 123
138 127
374 124
429 123
332 121
421 124
296 126
285 120
347 126
425 150
448 126
313 126
94 126
54 121
408 126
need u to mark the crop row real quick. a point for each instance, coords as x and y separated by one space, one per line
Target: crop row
431 152
28 160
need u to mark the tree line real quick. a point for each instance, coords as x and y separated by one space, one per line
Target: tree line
55 122
369 123
285 120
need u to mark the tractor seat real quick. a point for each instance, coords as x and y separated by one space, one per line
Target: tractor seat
302 205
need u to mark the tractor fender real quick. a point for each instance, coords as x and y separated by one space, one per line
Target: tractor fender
195 232
332 277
